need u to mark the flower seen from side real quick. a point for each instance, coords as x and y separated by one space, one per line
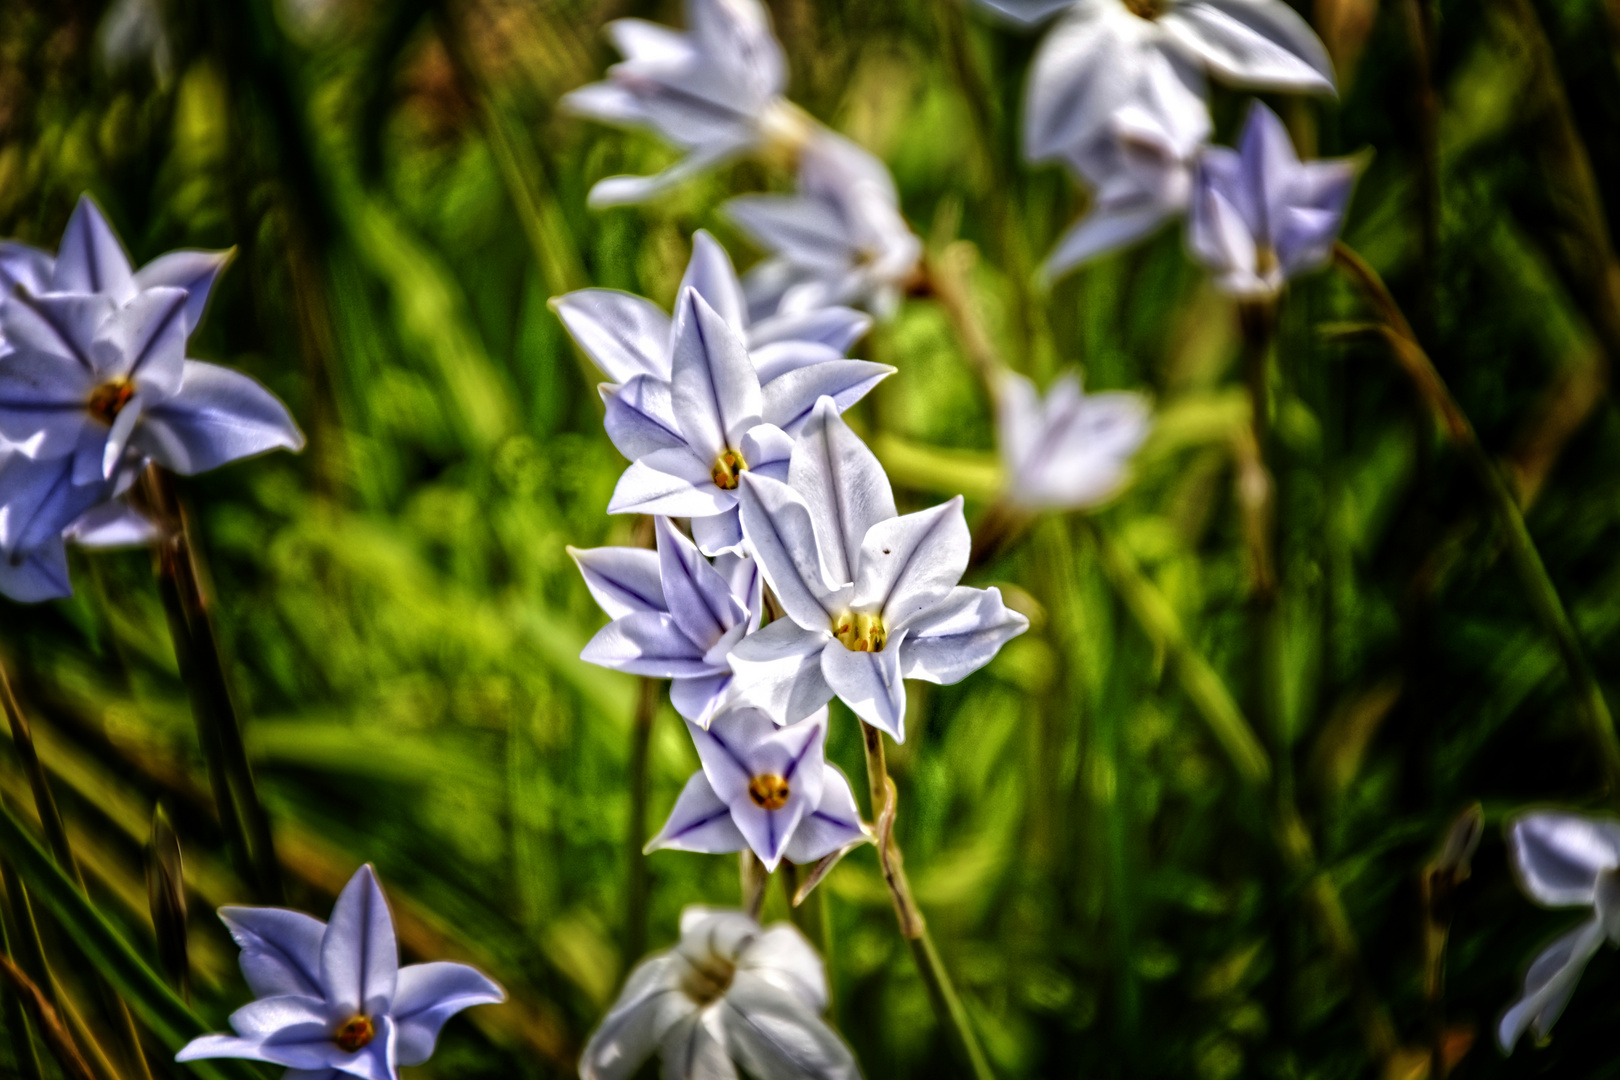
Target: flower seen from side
1070 450
871 596
731 993
332 999
714 91
1259 216
763 787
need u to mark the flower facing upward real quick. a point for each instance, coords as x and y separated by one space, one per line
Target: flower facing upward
714 91
1260 216
98 362
332 998
674 615
1071 450
730 993
871 596
840 240
1562 860
797 357
766 788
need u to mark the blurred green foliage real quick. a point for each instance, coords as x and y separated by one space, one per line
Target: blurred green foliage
404 623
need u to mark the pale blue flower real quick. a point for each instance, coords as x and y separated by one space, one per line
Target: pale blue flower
674 615
840 240
332 998
1071 450
1259 215
871 596
763 787
1562 860
714 91
730 993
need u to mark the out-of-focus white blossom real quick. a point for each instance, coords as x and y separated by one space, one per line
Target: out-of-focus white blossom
1070 450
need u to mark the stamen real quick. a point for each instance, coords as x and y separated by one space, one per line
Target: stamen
1145 9
708 980
355 1034
108 400
727 467
769 791
861 633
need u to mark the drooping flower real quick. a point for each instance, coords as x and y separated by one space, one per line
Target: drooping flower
332 998
1260 216
1562 860
714 91
674 615
871 597
41 508
1139 168
797 357
1093 62
97 363
840 240
763 787
729 994
1070 450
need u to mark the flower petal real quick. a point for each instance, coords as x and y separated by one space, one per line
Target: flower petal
281 949
699 598
771 1033
809 232
698 698
1557 857
145 341
692 1051
843 487
1262 44
780 955
1086 68
674 482
718 534
218 416
624 335
24 267
715 389
359 954
710 274
623 580
112 524
222 1046
39 574
870 683
776 520
778 670
1548 984
952 639
1105 229
910 563
90 258
1026 12
730 751
427 996
639 417
790 398
650 1004
267 1016
835 327
700 822
648 643
374 1061
193 271
834 823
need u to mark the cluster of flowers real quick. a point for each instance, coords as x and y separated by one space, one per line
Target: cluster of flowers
94 384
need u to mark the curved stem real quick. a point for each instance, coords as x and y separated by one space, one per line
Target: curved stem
941 993
1537 584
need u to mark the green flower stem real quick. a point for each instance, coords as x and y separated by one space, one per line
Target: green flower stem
49 1021
948 1007
1526 559
20 1040
203 668
635 927
22 739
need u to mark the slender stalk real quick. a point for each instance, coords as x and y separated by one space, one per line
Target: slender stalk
1537 584
941 993
1421 31
19 1038
753 879
635 926
49 1020
22 946
1438 885
22 738
203 668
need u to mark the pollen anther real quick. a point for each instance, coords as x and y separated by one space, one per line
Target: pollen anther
727 467
769 791
108 400
861 633
355 1033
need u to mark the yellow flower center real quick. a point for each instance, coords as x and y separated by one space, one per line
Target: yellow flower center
727 467
707 981
108 400
769 792
861 633
1145 9
1265 260
355 1033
